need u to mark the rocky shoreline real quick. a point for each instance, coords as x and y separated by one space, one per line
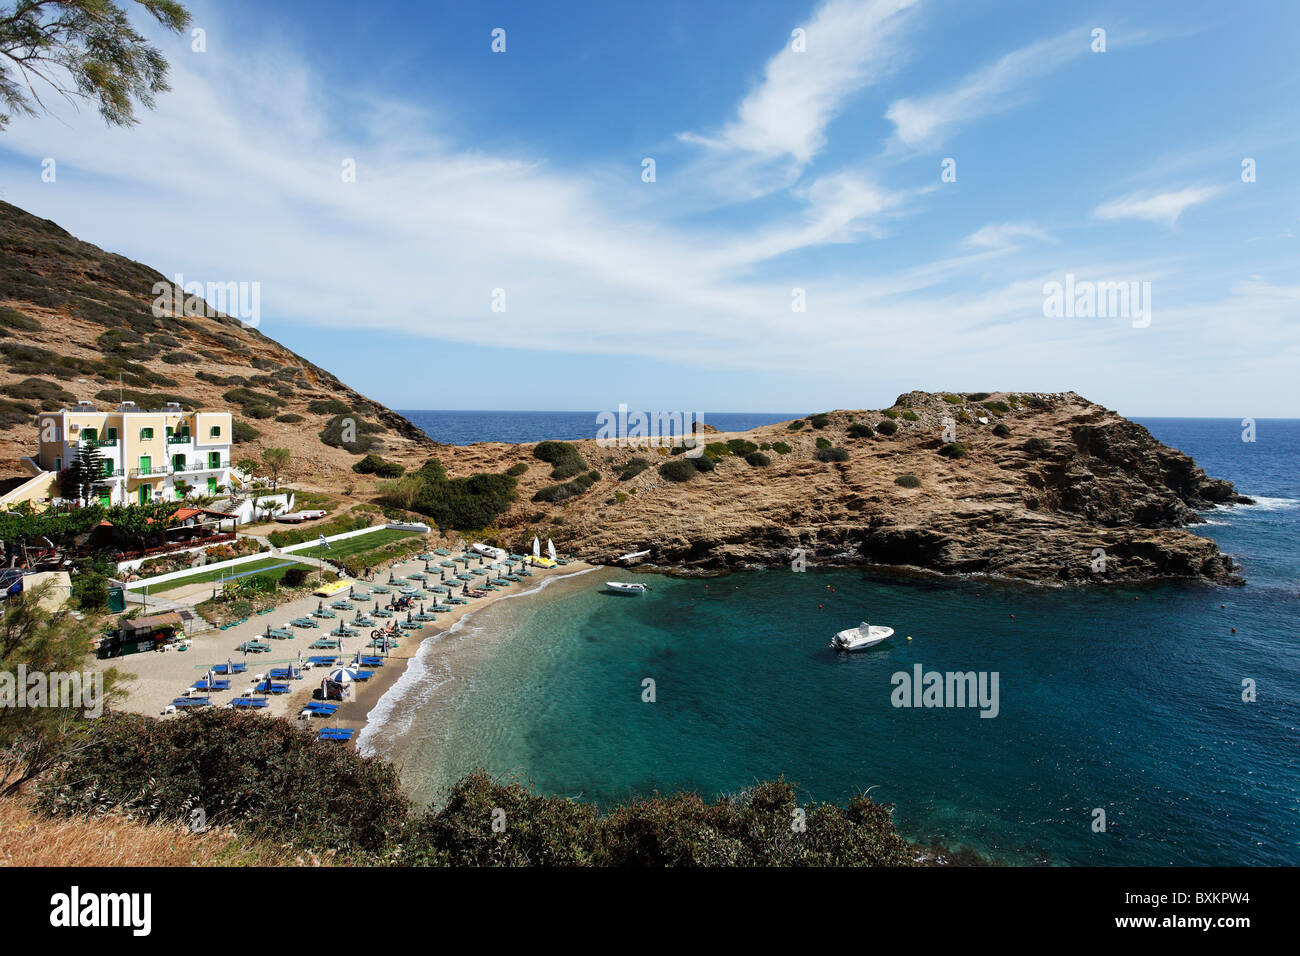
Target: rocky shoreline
1046 488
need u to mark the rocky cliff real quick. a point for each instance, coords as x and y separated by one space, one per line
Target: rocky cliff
1040 487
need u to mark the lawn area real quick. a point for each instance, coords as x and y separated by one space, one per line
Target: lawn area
362 542
279 566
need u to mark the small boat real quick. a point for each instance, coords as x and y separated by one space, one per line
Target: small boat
619 587
861 637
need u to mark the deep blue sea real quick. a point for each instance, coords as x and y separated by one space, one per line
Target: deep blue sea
465 428
1126 700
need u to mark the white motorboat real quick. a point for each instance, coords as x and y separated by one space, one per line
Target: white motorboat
618 587
861 637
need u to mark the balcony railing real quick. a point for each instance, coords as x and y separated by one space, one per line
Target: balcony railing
202 466
113 473
185 439
99 442
151 471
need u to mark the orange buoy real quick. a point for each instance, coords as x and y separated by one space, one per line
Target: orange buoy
1234 630
1013 617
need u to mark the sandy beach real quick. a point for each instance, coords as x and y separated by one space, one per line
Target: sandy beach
158 678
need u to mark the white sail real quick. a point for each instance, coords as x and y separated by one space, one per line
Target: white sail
550 550
537 547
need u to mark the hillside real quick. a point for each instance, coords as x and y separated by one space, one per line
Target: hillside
1032 485
76 322
1065 478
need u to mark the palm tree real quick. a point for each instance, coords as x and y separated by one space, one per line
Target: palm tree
276 459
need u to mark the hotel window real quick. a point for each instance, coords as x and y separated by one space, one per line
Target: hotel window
215 432
146 433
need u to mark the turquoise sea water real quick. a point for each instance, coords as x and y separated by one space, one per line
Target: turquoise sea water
1123 699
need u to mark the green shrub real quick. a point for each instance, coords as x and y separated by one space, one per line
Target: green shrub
328 406
462 503
781 448
908 481
703 463
557 493
977 396
632 468
832 454
741 447
889 413
375 465
678 469
1036 447
295 577
911 416
242 432
823 442
997 408
820 420
887 427
362 432
681 829
795 425
289 419
861 430
952 399
565 459
13 319
269 778
1001 430
517 469
953 449
758 459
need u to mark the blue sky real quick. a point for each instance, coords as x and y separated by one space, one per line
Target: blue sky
776 170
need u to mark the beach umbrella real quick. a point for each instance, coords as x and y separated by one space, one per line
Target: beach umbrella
342 675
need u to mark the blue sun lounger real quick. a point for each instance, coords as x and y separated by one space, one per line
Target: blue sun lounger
191 702
211 685
251 703
325 659
229 669
372 662
336 733
270 687
318 709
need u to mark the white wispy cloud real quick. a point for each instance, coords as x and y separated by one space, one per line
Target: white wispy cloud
927 120
1159 207
850 44
1006 235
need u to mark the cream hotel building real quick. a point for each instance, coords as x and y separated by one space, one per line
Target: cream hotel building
148 455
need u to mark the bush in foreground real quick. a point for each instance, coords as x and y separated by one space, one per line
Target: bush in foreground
266 777
861 430
758 459
908 481
887 426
